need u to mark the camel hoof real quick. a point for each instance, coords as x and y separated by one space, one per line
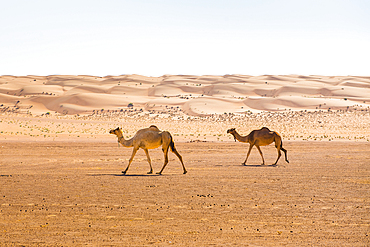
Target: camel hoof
185 172
159 173
124 172
151 172
243 164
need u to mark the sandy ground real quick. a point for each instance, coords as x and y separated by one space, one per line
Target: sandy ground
60 171
181 94
73 193
320 125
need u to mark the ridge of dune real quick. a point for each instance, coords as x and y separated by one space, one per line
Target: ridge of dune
194 95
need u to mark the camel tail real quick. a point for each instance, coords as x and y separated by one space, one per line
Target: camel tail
172 145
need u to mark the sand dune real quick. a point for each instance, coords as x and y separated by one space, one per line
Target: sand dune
194 95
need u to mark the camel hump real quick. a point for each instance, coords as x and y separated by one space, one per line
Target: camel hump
268 130
153 127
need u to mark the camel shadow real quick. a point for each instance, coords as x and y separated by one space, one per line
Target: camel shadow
140 175
125 175
260 165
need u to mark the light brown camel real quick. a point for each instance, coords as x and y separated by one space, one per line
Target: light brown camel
149 138
261 137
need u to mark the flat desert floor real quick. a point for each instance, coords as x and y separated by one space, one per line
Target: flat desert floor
60 170
73 193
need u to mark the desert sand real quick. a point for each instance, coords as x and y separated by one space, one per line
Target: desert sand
60 170
193 95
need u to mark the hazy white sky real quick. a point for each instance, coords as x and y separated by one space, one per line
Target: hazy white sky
156 37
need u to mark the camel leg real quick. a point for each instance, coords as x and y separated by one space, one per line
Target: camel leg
165 152
259 150
249 152
180 158
285 152
131 159
149 161
279 154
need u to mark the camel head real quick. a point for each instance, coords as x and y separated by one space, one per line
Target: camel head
117 132
232 131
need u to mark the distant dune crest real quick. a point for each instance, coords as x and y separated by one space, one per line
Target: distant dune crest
191 95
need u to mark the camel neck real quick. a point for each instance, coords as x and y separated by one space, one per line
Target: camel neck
125 143
240 138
